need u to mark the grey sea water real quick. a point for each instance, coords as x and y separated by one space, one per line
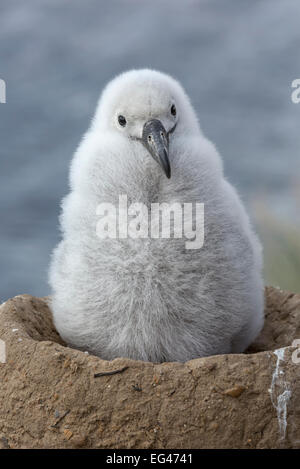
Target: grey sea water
236 59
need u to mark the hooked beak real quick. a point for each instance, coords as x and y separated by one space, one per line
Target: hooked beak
156 140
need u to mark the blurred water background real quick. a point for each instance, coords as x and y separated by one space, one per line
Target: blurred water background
236 59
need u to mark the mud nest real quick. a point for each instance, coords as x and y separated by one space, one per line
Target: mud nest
52 396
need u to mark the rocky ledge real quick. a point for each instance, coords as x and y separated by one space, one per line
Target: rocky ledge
52 396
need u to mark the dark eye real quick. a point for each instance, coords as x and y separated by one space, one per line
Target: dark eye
173 110
122 121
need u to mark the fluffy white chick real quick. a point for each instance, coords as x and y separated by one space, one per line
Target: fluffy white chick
153 299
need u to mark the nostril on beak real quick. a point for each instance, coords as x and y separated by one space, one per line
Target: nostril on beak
156 141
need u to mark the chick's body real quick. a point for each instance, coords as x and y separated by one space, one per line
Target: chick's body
151 298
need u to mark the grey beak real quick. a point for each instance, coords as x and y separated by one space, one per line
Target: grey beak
155 139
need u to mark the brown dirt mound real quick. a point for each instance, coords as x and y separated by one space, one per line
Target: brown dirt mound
50 397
